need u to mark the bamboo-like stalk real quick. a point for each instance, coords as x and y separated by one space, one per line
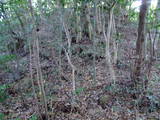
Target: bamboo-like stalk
79 28
115 44
155 41
158 36
41 78
31 70
73 75
30 58
68 38
60 40
98 20
37 61
90 28
145 47
107 39
68 55
32 81
94 46
36 65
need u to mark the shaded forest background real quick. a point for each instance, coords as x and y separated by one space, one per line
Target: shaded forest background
79 59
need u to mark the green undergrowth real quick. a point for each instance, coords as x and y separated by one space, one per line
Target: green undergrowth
4 117
3 94
4 59
7 58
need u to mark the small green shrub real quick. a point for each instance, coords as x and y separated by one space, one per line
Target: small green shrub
3 94
79 91
17 119
34 117
2 116
6 58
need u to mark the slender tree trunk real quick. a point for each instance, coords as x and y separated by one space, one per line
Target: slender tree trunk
78 28
137 80
98 20
73 76
37 62
115 44
90 28
158 30
85 19
107 39
93 36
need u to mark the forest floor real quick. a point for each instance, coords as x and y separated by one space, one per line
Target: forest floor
94 99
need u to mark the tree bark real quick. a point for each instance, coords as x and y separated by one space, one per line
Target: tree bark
158 31
137 80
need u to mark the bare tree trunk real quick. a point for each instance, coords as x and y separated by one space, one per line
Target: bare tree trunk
115 44
137 80
68 54
90 28
37 63
78 28
60 13
85 19
73 76
40 77
107 39
68 38
158 30
93 36
150 59
98 20
146 47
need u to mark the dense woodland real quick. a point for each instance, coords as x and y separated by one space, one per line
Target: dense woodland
79 60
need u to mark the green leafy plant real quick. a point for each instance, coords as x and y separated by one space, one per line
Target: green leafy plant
34 117
6 58
2 116
3 94
18 119
79 91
